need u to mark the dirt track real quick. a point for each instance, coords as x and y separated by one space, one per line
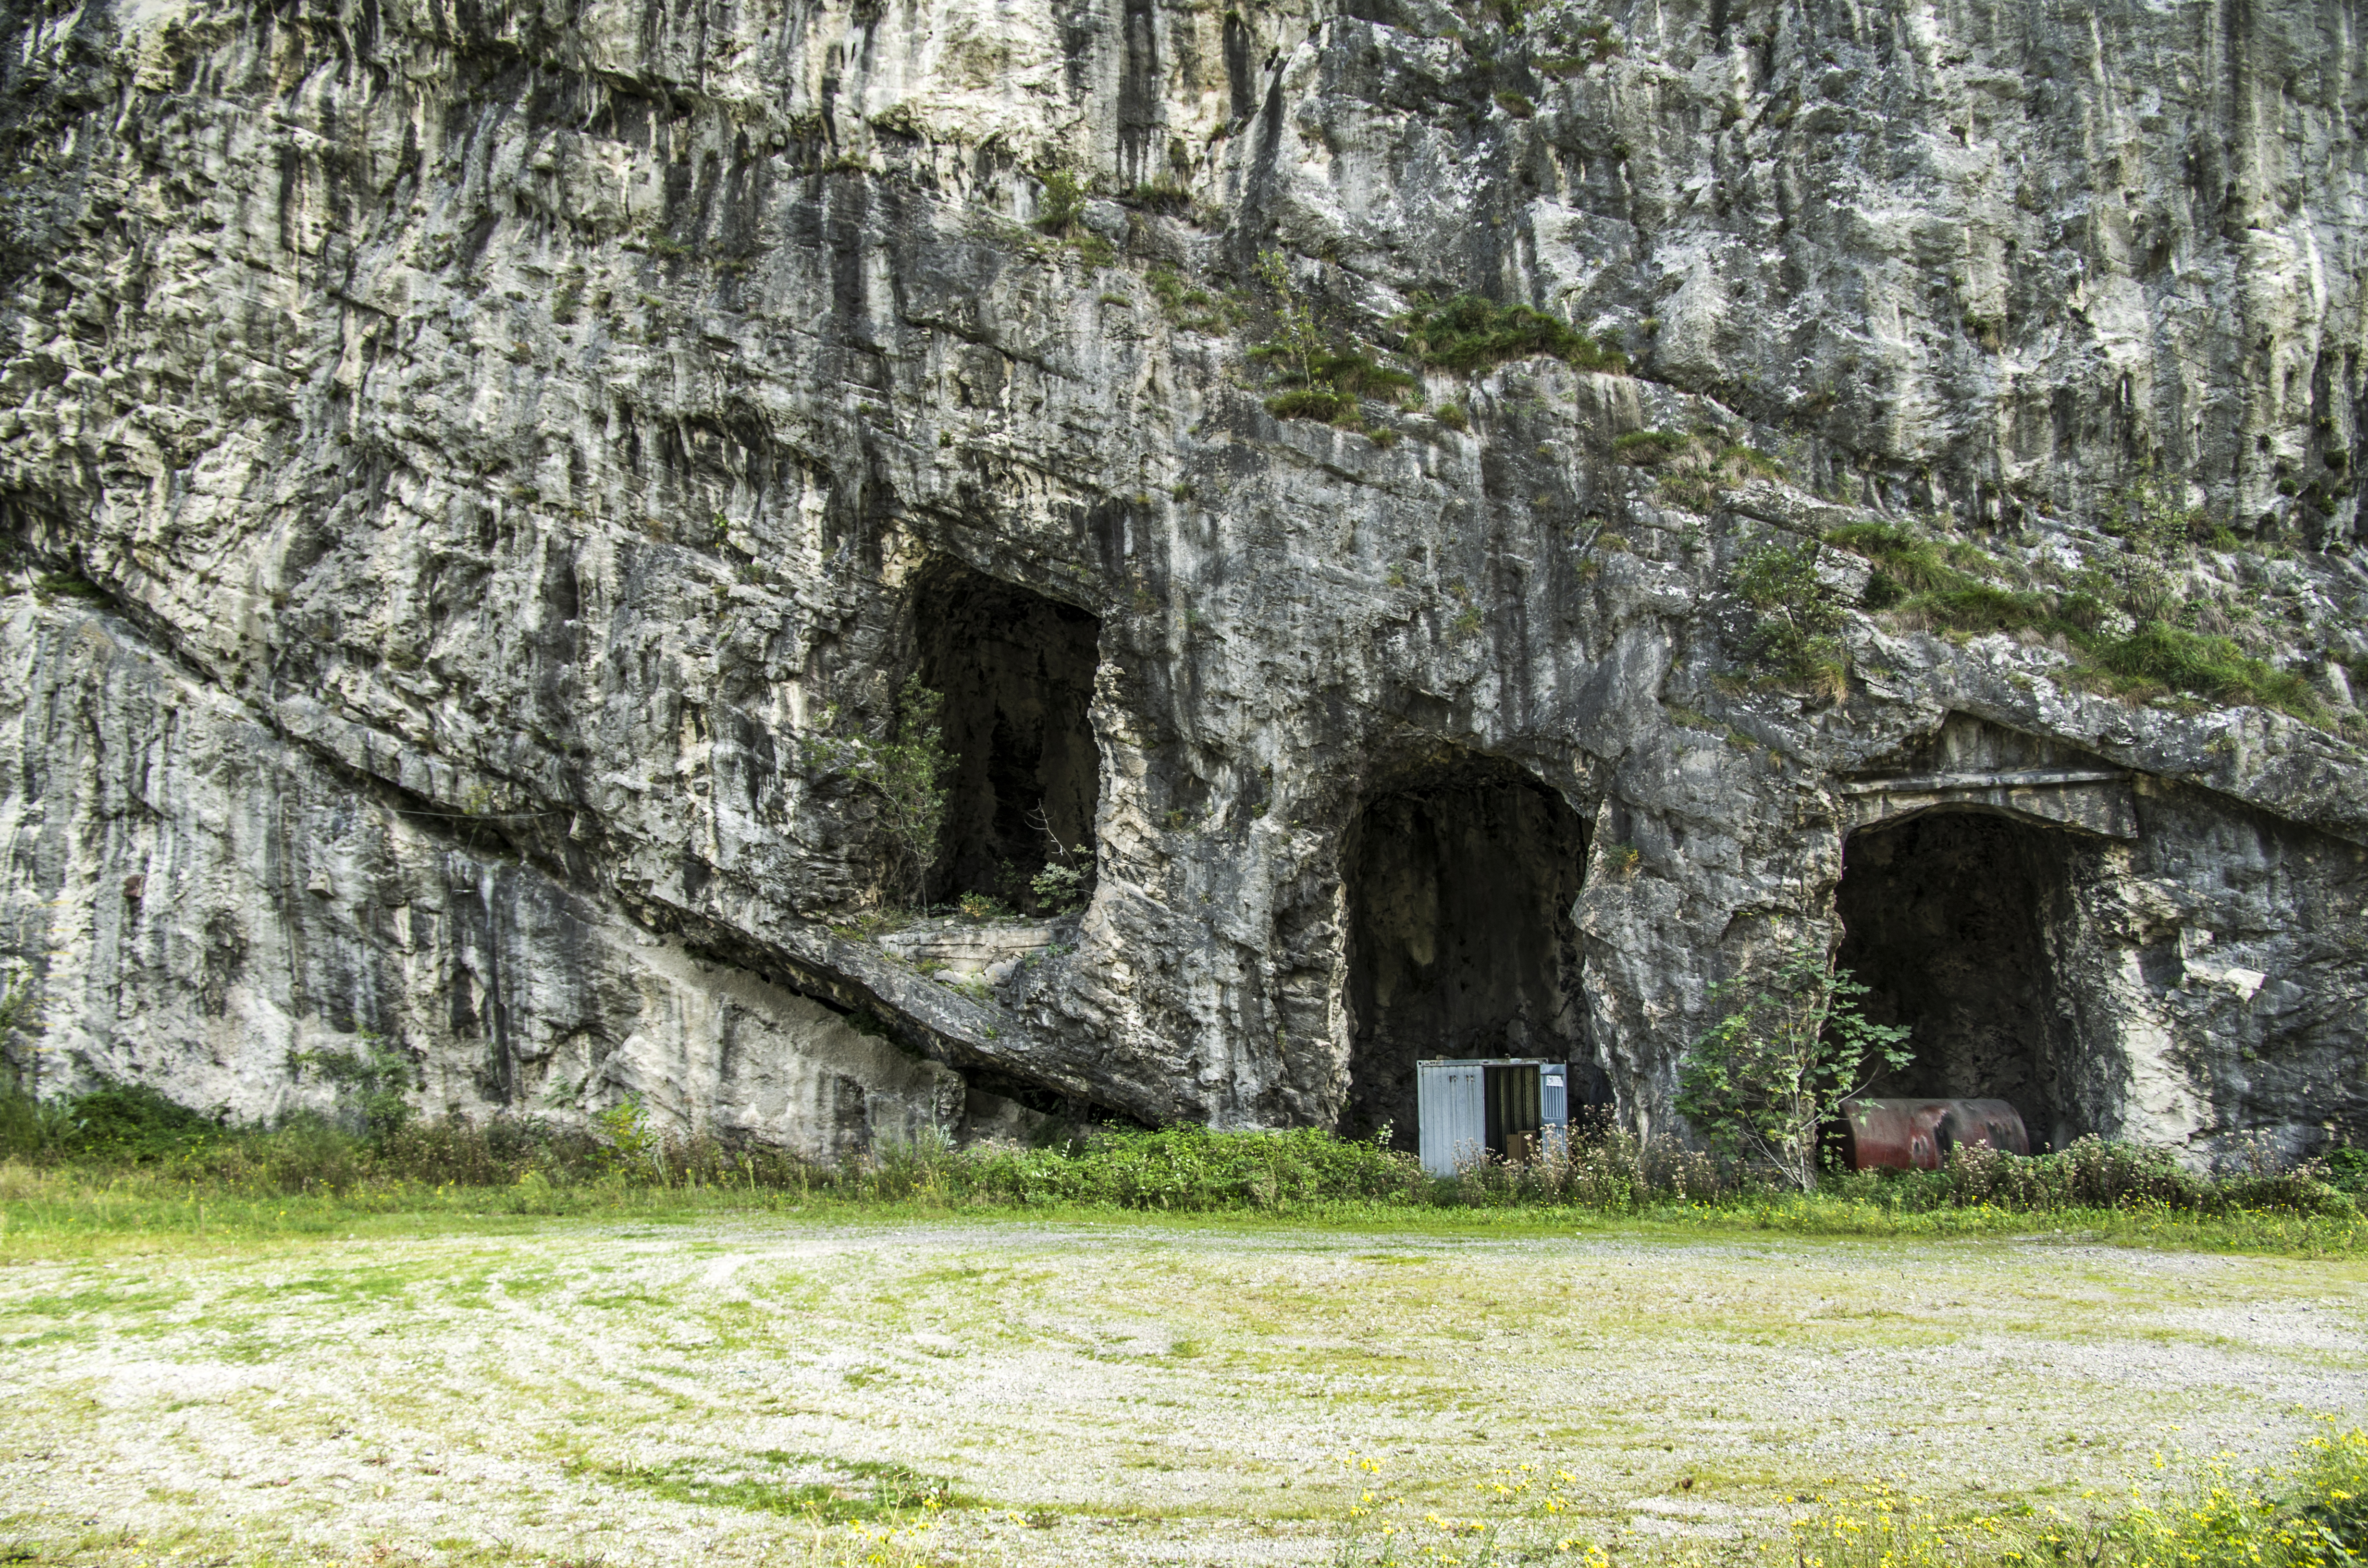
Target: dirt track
1143 1393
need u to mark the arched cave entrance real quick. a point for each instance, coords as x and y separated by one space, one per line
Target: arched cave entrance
1017 673
1461 940
1946 920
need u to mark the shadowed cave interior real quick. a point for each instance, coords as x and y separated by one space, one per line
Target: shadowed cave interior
1945 919
1017 673
1461 938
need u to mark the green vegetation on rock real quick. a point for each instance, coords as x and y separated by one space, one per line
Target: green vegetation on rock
1468 333
2132 646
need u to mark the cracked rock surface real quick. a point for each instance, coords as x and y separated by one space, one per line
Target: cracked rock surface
473 472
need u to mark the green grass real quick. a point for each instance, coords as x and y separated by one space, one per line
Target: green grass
72 1212
1916 574
126 1164
1469 334
858 1490
1334 385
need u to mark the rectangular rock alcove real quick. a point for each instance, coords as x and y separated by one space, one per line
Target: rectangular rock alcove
1017 670
1946 917
1461 944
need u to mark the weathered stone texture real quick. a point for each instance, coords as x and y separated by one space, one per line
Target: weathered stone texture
505 435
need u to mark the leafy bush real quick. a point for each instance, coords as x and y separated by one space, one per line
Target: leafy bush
1765 1080
133 1141
1059 886
122 1122
1799 622
1063 201
1469 334
1186 1168
2096 1173
905 772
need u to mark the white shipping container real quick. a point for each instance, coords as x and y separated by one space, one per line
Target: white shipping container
1452 1100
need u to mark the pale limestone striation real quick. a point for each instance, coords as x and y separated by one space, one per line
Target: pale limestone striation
513 451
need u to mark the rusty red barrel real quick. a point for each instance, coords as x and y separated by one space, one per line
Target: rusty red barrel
1917 1135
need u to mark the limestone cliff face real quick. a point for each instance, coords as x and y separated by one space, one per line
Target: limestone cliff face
515 452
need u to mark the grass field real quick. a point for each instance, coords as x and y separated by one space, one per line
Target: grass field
687 1383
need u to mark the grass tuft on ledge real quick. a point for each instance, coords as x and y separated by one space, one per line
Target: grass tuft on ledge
1469 334
1917 578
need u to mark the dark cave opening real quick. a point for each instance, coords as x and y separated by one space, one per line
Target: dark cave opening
1461 940
1945 918
1017 673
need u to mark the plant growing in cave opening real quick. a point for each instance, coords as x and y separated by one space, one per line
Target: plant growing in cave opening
1065 884
1761 1082
905 772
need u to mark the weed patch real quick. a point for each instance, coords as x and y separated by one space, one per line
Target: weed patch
1469 334
828 1491
1916 577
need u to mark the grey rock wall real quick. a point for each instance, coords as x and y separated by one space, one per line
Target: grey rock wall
512 436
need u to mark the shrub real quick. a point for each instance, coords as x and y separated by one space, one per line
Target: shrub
1469 334
905 772
1314 402
1059 886
1765 1080
1063 201
1327 381
1169 200
1798 622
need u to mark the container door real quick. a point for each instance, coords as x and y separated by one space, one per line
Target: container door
1553 1092
1450 1116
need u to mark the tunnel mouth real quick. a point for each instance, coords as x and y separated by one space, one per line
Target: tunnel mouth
1947 921
1460 883
1017 671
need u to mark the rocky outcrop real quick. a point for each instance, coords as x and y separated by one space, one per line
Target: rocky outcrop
476 472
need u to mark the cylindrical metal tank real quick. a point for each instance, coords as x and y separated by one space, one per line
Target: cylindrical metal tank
1917 1135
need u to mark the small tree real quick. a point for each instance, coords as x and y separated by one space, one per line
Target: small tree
1763 1080
1799 623
1063 884
905 772
1298 340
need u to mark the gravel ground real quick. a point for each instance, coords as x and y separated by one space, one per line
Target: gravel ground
1112 1392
